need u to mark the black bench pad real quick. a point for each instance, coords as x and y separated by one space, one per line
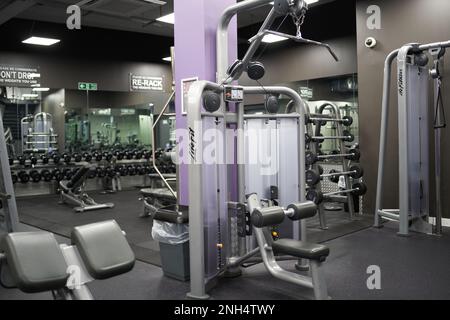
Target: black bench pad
301 249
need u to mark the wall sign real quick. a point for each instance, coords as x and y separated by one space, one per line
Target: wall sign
306 93
86 86
19 76
146 83
186 85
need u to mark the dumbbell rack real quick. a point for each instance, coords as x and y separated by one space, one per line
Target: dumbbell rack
314 146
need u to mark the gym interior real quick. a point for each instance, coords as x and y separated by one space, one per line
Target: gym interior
224 150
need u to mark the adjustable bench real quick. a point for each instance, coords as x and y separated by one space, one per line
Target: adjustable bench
154 199
35 262
316 254
73 192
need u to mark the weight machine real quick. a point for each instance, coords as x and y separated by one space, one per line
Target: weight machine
222 227
413 75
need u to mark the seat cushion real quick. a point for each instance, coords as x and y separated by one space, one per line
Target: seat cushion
104 249
35 261
301 249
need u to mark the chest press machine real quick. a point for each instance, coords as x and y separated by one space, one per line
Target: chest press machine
225 228
413 75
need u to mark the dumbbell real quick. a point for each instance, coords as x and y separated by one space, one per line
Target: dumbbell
358 189
119 155
11 161
33 159
138 155
122 170
322 121
347 137
57 175
147 154
131 170
35 176
56 158
24 177
14 177
66 158
98 156
311 158
140 170
44 159
87 157
108 156
77 157
22 160
128 155
46 175
147 169
67 174
313 177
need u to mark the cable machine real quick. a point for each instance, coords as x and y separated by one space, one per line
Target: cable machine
413 75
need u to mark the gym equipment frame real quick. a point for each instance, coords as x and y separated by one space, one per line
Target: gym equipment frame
413 118
211 226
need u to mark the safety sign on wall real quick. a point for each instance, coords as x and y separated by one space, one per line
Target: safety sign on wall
19 76
146 83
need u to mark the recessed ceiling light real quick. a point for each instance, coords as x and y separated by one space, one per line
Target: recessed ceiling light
170 18
272 38
39 41
29 96
307 1
41 89
168 59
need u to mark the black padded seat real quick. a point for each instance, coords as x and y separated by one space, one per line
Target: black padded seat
172 214
35 261
161 193
301 249
104 249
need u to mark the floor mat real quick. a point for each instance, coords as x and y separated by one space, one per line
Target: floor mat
339 225
45 213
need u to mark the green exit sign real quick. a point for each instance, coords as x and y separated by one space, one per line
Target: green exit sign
86 86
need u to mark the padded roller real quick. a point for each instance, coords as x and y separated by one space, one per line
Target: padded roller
267 217
303 210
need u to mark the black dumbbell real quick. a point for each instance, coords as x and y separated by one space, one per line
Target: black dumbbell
98 156
67 174
45 159
131 170
108 156
101 172
22 160
11 161
57 175
87 157
35 176
33 159
77 157
56 158
67 158
358 189
46 175
24 177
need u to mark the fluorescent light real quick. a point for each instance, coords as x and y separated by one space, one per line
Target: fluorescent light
307 2
41 41
41 89
30 96
168 59
271 38
170 18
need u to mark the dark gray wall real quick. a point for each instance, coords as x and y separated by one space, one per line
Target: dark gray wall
403 21
60 72
306 62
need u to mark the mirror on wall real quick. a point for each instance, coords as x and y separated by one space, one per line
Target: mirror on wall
44 121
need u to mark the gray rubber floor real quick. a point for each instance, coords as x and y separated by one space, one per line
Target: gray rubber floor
45 213
411 268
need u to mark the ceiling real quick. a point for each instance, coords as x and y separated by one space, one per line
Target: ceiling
125 15
128 30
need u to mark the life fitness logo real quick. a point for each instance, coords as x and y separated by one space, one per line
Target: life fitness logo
401 85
